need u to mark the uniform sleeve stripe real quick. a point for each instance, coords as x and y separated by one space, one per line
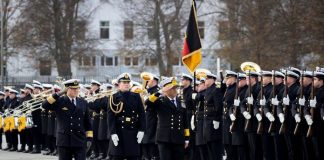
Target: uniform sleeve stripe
186 132
89 134
51 99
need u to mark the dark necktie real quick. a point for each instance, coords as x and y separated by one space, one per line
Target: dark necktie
173 101
73 102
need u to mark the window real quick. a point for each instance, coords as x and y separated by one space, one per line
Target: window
201 29
80 29
135 61
150 61
127 61
87 60
128 30
109 61
150 30
104 30
45 68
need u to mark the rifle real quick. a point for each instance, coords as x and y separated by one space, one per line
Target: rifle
312 111
232 127
273 107
249 108
260 124
296 131
282 129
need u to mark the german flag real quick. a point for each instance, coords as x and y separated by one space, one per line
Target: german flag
191 52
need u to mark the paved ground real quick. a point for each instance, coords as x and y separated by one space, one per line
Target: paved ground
5 155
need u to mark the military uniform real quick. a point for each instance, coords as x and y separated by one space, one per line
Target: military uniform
126 126
103 131
239 138
213 114
12 135
37 128
254 140
28 131
95 109
73 123
199 123
150 148
293 142
2 102
172 128
266 139
227 136
317 137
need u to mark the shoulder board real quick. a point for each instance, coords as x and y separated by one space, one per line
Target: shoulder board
218 84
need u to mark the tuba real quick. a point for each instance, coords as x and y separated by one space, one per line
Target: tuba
146 77
250 66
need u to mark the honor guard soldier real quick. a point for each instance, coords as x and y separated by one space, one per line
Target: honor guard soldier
197 120
263 122
297 111
228 100
2 102
213 113
187 90
74 131
288 120
95 109
172 129
12 133
314 115
239 139
247 108
150 148
126 121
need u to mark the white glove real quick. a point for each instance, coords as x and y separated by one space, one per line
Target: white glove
262 101
281 117
216 124
301 101
286 101
246 115
193 96
297 118
270 117
237 102
140 135
115 139
309 120
232 117
312 103
145 98
192 122
250 100
259 117
274 101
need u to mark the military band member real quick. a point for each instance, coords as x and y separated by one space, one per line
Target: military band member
2 102
197 120
22 133
239 138
126 121
314 115
37 121
95 109
12 134
150 148
29 141
172 128
228 99
247 108
74 131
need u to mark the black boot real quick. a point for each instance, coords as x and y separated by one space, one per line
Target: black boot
54 153
36 150
22 149
14 148
49 152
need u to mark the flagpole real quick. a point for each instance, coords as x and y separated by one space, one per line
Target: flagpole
194 81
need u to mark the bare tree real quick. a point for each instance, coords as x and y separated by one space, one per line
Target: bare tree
158 29
55 29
